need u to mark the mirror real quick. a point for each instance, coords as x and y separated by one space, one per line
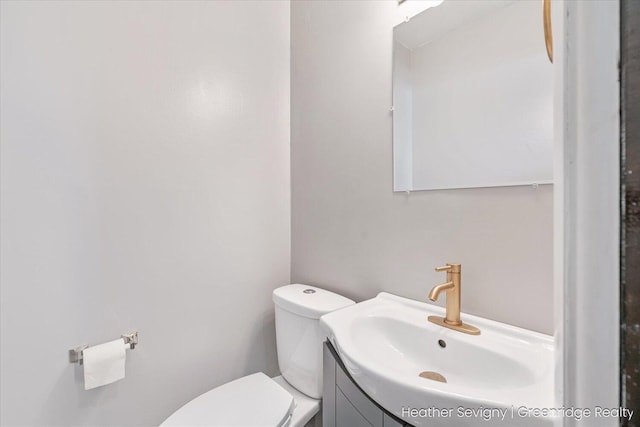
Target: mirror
472 97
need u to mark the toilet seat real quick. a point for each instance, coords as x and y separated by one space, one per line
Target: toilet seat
254 400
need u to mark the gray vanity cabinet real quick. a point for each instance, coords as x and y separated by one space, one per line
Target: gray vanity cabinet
344 404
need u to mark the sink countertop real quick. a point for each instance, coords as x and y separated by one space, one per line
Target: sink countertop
386 342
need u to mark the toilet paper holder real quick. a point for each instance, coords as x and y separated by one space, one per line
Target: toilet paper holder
75 354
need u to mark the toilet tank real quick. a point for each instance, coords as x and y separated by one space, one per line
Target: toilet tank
298 336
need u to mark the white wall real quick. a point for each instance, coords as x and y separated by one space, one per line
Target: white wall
145 185
351 233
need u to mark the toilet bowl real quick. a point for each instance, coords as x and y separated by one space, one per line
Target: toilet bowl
290 400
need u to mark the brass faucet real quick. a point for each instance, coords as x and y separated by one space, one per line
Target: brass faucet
452 286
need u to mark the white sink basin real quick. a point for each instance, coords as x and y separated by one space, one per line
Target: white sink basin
502 377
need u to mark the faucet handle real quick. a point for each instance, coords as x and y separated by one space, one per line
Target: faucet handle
444 268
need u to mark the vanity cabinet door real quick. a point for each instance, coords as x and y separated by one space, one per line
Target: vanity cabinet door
347 415
369 410
390 422
344 404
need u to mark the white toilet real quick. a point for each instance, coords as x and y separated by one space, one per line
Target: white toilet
290 400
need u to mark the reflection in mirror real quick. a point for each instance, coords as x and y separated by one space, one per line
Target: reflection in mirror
472 97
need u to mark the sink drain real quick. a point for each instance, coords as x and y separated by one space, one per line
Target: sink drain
430 375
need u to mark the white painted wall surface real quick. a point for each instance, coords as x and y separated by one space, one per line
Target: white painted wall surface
351 233
145 185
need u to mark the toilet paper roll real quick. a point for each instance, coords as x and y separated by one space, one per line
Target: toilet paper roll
103 363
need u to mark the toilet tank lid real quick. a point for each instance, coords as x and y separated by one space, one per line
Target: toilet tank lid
309 301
